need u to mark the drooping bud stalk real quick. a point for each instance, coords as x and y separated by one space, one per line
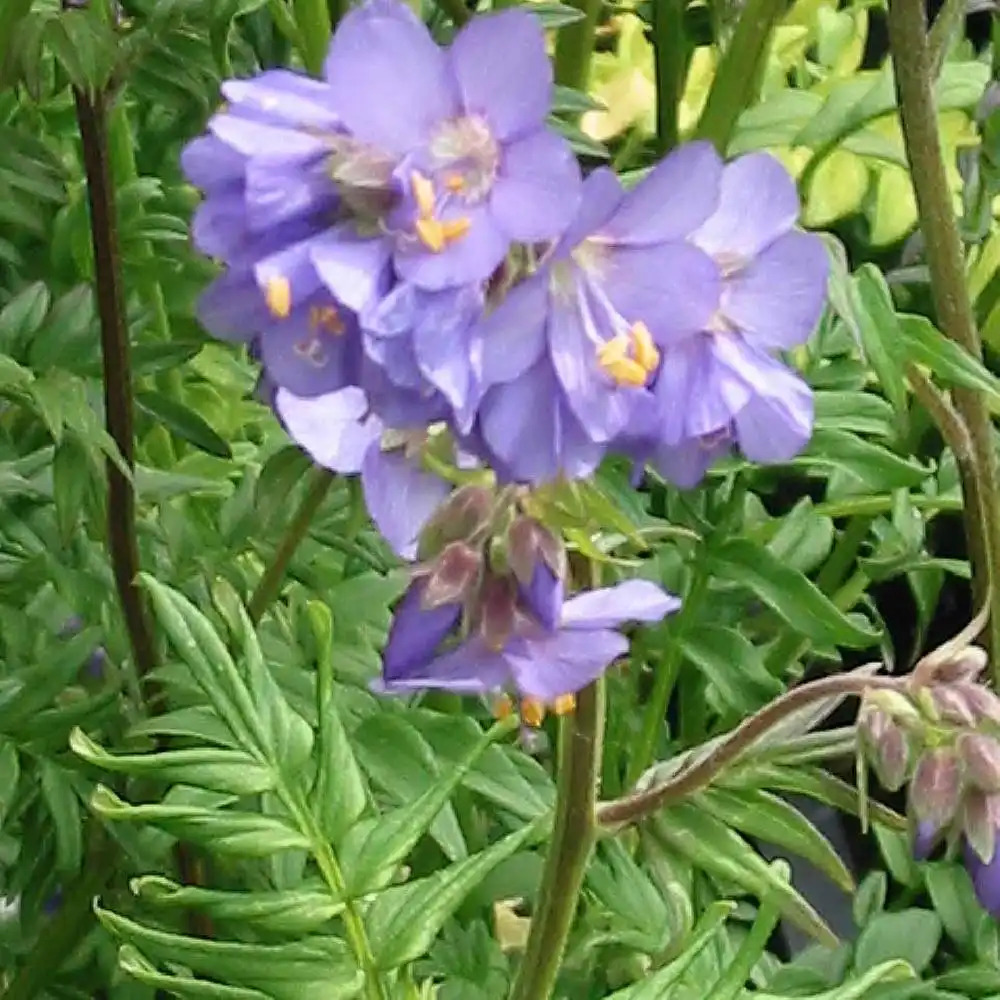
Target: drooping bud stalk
980 756
453 577
965 665
936 789
887 747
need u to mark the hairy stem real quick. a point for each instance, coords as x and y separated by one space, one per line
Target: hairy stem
575 45
270 583
116 355
580 740
946 263
700 774
738 76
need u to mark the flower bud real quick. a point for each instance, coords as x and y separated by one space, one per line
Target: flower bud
537 560
950 705
496 609
982 702
981 759
980 819
888 748
925 836
896 705
936 788
453 576
965 665
463 514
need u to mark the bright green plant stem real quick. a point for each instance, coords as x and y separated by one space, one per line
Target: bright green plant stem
320 481
666 676
580 741
312 17
575 45
670 48
739 73
946 263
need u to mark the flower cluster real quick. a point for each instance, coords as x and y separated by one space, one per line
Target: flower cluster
411 227
942 738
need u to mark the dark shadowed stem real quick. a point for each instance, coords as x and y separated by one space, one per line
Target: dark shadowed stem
455 10
580 740
700 774
320 481
946 262
116 354
670 62
738 76
575 45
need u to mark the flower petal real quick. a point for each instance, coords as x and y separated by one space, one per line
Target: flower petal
537 192
742 226
208 162
609 607
253 137
278 192
390 81
308 361
564 662
685 464
415 635
401 497
233 308
503 71
282 95
511 338
219 226
672 200
355 270
471 668
778 299
673 288
600 196
985 879
336 429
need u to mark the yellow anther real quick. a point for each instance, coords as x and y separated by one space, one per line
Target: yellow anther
423 194
643 347
431 234
612 351
564 704
454 182
532 712
503 707
279 297
326 318
455 229
626 372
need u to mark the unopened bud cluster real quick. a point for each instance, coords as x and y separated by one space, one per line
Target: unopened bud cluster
939 734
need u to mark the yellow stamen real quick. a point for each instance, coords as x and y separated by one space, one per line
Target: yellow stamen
612 351
455 229
326 318
279 297
431 234
564 704
454 182
625 371
643 347
532 712
423 194
503 707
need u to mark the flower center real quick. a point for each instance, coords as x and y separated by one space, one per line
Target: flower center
465 158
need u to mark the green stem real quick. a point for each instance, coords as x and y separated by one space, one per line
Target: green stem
670 51
270 583
946 263
666 676
844 553
312 17
575 45
455 10
738 76
580 739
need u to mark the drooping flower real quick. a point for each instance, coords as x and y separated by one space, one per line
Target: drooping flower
982 859
339 432
581 337
722 384
544 664
476 164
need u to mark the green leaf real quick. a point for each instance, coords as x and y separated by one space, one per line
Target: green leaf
713 846
132 962
23 315
64 807
291 911
555 15
860 988
317 968
870 898
205 767
766 817
954 899
910 936
72 471
225 831
860 412
405 919
732 665
84 45
183 421
873 466
794 597
375 847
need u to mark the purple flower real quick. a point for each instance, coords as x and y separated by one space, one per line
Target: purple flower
583 335
340 433
985 873
540 663
722 384
475 161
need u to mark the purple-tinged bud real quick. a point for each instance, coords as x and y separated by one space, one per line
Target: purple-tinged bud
979 823
416 633
466 512
981 759
966 665
896 705
985 879
925 837
936 788
538 562
453 576
543 597
982 702
887 746
497 610
950 705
